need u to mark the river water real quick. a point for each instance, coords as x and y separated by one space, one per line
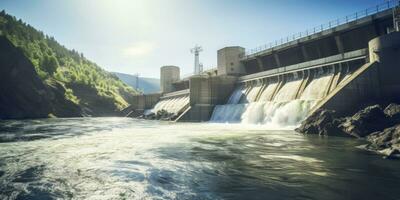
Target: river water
122 158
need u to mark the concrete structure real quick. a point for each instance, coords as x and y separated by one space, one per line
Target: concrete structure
348 37
229 61
140 103
361 57
198 68
375 82
205 93
168 75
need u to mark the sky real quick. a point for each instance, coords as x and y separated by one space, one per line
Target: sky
140 36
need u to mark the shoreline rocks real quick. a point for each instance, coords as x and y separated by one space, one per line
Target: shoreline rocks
322 122
386 142
365 122
380 127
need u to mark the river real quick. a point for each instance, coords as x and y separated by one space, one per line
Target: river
123 158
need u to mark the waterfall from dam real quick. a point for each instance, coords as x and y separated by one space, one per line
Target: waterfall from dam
274 104
171 105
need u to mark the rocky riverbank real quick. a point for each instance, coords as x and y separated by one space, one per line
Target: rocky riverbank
380 127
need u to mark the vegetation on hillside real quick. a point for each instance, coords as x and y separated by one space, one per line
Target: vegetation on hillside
55 63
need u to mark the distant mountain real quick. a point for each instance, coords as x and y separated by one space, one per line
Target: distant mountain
146 85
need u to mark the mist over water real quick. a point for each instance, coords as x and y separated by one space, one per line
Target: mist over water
122 158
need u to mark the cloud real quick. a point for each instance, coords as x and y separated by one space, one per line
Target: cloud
139 49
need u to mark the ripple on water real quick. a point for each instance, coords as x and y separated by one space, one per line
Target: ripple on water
120 158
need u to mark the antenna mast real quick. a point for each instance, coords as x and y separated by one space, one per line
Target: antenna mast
137 82
196 50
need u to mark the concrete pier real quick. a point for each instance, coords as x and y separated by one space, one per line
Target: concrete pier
375 82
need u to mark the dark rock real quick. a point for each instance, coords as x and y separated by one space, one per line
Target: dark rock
165 115
365 122
22 93
322 122
61 107
92 102
386 142
393 112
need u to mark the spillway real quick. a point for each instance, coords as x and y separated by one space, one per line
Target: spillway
280 103
173 105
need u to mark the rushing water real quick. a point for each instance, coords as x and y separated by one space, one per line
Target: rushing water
171 105
121 158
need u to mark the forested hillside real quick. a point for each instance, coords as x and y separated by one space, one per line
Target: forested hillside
96 91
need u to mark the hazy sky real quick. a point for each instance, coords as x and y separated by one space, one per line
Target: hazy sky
139 36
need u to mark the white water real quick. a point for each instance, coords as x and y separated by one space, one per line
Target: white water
171 105
285 111
123 158
236 95
317 88
288 91
268 92
277 115
252 95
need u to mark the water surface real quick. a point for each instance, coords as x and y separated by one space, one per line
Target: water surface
121 158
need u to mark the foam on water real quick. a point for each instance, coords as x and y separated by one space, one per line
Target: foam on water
236 95
122 158
286 109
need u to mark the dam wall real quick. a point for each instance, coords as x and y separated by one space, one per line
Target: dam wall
173 103
140 103
345 83
331 69
342 68
284 97
344 38
205 93
375 82
195 103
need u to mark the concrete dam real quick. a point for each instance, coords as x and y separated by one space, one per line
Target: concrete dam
343 65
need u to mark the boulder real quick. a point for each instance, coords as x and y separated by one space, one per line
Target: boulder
165 115
393 112
365 122
321 122
386 142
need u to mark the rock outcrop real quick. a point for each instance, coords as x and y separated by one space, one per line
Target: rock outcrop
380 127
365 122
386 142
393 112
22 93
322 122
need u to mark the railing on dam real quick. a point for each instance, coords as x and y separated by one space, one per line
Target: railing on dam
331 24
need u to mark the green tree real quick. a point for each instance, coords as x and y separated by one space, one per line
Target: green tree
50 64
